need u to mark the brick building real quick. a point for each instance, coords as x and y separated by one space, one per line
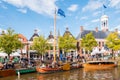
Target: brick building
99 35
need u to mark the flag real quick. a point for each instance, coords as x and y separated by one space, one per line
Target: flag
104 6
61 12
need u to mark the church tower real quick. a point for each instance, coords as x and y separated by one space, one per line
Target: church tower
104 23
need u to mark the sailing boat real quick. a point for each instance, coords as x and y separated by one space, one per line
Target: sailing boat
53 67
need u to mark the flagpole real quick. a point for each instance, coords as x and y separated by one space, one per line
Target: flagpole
54 46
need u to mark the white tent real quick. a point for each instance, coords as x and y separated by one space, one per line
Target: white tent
95 51
103 50
3 54
15 54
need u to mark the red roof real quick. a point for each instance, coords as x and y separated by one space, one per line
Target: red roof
24 39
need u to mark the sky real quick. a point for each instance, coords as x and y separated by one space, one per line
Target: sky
24 16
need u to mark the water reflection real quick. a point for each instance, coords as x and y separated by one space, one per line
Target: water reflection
78 74
98 75
110 74
67 75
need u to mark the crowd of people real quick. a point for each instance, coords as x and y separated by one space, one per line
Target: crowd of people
9 63
6 63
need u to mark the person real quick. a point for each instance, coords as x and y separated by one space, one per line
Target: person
16 59
9 65
6 59
83 59
1 59
78 57
1 65
43 65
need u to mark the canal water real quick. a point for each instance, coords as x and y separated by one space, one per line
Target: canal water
78 74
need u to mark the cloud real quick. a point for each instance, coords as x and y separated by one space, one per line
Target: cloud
2 6
113 28
73 7
95 20
1 30
115 4
92 5
96 13
117 27
22 10
84 18
45 7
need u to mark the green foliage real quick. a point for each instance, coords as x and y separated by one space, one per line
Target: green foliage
67 43
113 41
9 42
40 44
88 42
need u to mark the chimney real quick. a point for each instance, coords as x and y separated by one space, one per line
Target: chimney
107 30
66 28
116 30
96 29
50 32
35 31
81 28
3 32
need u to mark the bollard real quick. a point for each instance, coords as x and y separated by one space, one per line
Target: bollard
18 75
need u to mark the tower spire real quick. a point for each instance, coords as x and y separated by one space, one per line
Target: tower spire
104 23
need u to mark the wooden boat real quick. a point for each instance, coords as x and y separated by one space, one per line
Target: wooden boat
75 65
63 67
99 65
47 70
44 69
26 70
7 72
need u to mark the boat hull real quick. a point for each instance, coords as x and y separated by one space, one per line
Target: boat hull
64 67
7 72
25 70
99 65
47 70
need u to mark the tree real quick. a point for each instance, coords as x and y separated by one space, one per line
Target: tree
88 42
10 42
67 43
113 41
40 45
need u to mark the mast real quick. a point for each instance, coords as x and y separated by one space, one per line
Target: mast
58 35
54 46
